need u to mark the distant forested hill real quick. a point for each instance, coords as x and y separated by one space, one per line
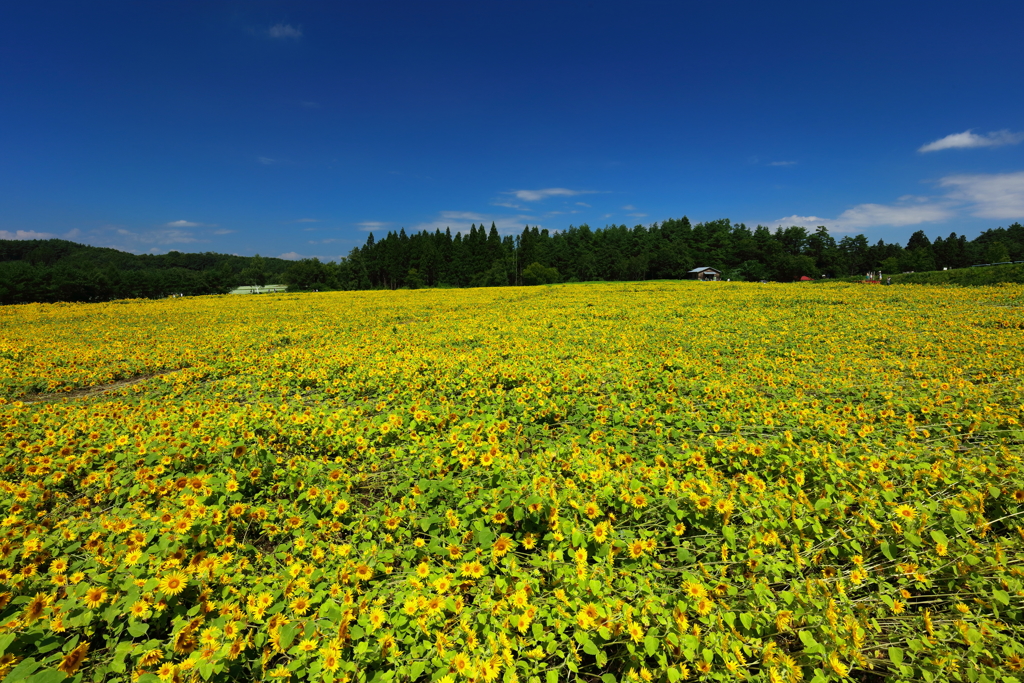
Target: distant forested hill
58 270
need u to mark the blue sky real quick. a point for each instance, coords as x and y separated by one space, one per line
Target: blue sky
295 128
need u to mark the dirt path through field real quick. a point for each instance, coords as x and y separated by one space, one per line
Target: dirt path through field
85 392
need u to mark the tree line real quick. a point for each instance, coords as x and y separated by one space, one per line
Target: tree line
668 250
58 270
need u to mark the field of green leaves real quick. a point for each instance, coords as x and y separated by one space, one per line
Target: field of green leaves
615 483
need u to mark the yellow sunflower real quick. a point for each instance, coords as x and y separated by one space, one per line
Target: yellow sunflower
905 512
96 596
173 583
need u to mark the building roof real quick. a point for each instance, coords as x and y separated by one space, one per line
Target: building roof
702 268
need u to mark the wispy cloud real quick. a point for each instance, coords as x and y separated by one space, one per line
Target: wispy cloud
537 195
908 211
968 139
25 235
583 204
369 226
802 221
634 212
138 241
897 215
462 221
285 31
305 220
324 258
782 163
182 224
266 161
223 232
997 195
462 215
158 236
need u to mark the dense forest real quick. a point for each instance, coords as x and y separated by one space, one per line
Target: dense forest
668 250
57 270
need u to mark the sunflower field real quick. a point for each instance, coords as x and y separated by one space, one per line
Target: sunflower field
610 482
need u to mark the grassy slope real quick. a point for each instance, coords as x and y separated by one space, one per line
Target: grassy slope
965 277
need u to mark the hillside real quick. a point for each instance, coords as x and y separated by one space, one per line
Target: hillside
965 277
59 270
978 275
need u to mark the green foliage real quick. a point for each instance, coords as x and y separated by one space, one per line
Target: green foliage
58 270
536 274
480 258
567 483
965 277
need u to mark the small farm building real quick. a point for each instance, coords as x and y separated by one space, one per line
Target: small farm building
704 274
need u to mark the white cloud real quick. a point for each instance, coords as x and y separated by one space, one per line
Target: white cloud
462 221
537 195
285 31
368 226
193 224
266 161
872 215
583 204
997 195
135 242
802 221
629 207
968 139
223 232
291 256
25 235
782 163
306 220
462 215
158 236
985 195
638 215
